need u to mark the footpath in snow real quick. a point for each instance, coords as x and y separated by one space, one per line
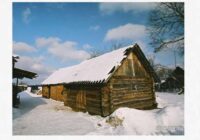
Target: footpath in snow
40 116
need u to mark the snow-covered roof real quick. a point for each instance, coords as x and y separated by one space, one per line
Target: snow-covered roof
95 69
15 55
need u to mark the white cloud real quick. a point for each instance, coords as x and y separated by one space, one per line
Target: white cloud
32 63
47 42
128 31
110 8
19 47
26 15
95 28
66 51
87 46
35 64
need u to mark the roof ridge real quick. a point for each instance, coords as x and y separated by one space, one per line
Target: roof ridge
92 70
128 46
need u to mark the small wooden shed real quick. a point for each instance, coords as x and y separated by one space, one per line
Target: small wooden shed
19 74
175 81
121 78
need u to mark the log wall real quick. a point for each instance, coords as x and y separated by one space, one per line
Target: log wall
131 86
56 92
83 99
45 91
53 92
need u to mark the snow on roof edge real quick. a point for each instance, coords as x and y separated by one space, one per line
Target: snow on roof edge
92 70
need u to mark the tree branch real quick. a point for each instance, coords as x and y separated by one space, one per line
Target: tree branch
167 43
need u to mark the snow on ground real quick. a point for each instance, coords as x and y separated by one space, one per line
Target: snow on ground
37 116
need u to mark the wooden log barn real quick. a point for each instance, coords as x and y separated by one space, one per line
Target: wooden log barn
121 78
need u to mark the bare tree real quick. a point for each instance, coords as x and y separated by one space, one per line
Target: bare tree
151 59
95 53
114 45
118 44
166 26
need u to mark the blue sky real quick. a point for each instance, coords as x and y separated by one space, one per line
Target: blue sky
48 36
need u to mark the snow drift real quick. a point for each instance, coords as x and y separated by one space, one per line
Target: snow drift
168 120
37 115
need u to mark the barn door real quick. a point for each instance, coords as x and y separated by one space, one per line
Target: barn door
81 100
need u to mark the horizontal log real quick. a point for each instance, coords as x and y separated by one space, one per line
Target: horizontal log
96 105
129 90
120 78
116 102
130 97
137 106
138 93
93 110
127 84
93 96
93 99
131 85
142 104
125 97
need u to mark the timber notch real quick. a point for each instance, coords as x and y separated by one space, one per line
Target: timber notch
121 78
